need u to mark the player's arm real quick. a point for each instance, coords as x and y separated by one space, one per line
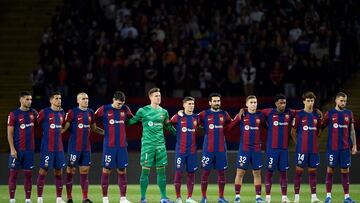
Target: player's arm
10 135
295 125
167 124
96 129
136 118
234 122
65 127
353 139
68 119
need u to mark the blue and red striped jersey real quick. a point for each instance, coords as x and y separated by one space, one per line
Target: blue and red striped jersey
307 127
51 123
114 121
214 124
250 130
279 127
24 128
185 132
80 128
339 128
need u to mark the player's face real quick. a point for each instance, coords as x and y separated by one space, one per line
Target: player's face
83 100
341 102
309 103
189 106
56 101
252 104
280 105
26 101
117 103
155 98
215 103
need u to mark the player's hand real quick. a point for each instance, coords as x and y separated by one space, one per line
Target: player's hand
354 150
320 113
13 153
241 112
181 112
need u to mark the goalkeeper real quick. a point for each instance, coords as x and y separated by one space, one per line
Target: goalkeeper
153 151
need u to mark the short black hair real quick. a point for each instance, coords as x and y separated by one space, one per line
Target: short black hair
214 94
188 98
340 94
279 96
308 95
53 94
119 95
24 93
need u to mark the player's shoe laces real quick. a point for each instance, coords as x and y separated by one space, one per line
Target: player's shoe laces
70 201
349 200
268 199
124 200
259 200
285 200
178 200
143 201
237 199
60 200
315 200
166 200
204 200
222 200
328 200
87 201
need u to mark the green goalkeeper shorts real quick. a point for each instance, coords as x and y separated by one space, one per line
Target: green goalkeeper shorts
153 156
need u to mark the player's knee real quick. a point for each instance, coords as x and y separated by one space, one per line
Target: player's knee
344 170
330 170
256 173
313 170
240 172
121 170
57 172
84 169
42 171
106 170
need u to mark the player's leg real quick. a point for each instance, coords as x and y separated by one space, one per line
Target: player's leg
59 163
220 165
207 162
345 162
28 165
313 163
72 163
46 163
108 163
191 167
161 163
180 160
256 160
271 163
147 157
121 164
14 166
242 164
332 160
300 163
283 167
85 161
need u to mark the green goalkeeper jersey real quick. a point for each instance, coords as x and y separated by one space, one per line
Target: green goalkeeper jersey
153 123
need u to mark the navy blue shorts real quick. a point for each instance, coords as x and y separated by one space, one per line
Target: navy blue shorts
52 160
75 158
25 160
277 159
244 159
115 158
216 160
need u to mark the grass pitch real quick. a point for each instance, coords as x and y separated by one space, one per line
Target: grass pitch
153 194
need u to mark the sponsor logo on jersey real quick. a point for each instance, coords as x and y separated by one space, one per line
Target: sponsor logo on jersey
276 123
23 126
212 126
112 121
53 126
305 127
247 127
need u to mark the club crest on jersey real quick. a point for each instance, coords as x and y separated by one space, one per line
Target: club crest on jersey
287 116
162 116
221 119
122 113
31 117
61 119
89 118
315 121
195 123
257 121
346 118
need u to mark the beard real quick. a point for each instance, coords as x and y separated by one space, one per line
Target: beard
216 107
341 107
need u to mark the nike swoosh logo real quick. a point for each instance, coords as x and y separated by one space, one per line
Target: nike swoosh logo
51 118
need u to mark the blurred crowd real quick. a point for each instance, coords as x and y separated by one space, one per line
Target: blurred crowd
193 47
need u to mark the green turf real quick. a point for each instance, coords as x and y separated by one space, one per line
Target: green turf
153 194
